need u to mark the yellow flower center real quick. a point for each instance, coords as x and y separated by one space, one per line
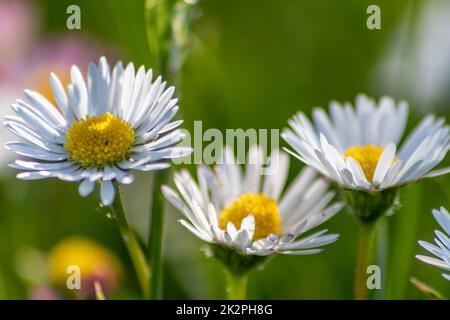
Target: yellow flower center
263 209
367 157
98 141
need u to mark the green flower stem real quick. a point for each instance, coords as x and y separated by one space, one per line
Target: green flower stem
157 21
237 286
132 245
364 240
156 235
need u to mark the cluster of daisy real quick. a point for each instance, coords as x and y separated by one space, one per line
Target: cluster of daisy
121 120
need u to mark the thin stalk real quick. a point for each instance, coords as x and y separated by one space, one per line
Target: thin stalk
156 235
157 22
364 240
381 247
134 249
237 286
427 289
99 294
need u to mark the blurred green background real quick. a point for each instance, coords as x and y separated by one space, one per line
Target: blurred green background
250 64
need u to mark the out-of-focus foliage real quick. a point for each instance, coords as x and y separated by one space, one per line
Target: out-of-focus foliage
251 64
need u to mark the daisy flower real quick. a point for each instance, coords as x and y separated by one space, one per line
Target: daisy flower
99 130
357 147
442 250
247 213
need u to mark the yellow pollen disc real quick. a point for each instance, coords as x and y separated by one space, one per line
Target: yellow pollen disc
367 157
263 209
98 141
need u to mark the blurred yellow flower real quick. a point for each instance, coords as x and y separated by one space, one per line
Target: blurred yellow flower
38 79
96 264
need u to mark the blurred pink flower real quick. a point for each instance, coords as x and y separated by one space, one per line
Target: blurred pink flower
57 54
40 292
19 21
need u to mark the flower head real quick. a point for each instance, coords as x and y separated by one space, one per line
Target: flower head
99 131
357 147
95 263
248 213
442 248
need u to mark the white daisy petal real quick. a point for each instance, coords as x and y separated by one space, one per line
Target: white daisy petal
168 140
34 152
170 126
108 173
157 166
313 241
86 187
262 252
293 194
442 250
31 136
443 218
61 98
325 127
136 98
45 108
127 89
115 89
231 230
253 169
78 95
434 262
195 231
149 101
242 240
94 174
385 162
212 215
71 174
421 131
300 252
265 243
41 126
248 224
107 192
46 166
35 175
436 173
357 173
276 174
